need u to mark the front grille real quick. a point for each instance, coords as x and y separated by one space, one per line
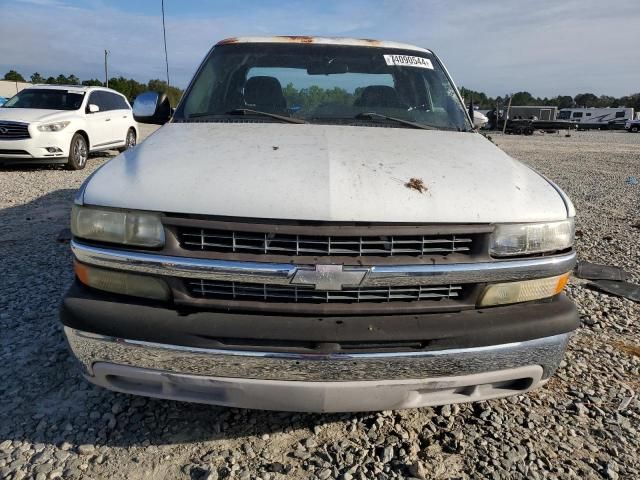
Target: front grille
14 131
290 244
221 290
5 151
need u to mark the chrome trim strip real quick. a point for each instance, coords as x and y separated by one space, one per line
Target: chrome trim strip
485 272
282 273
90 348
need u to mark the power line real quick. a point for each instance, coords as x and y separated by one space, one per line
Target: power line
164 34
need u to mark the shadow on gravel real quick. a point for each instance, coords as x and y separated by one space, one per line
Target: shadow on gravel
48 166
44 397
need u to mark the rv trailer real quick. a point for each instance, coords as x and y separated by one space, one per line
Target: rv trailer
602 118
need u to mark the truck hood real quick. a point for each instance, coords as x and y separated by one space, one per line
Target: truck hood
324 173
29 115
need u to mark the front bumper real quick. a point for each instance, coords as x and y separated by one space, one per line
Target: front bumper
34 149
145 349
319 382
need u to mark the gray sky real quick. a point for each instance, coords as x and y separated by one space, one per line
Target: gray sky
547 47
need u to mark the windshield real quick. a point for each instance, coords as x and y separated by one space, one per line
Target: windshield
329 84
47 99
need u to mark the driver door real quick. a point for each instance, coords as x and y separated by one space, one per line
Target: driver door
99 124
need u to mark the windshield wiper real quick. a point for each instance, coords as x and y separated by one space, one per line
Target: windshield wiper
374 115
248 111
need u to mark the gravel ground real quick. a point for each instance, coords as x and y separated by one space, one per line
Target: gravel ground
584 424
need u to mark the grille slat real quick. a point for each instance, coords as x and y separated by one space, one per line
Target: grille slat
13 131
262 292
296 245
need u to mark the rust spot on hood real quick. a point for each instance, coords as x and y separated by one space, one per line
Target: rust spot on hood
416 184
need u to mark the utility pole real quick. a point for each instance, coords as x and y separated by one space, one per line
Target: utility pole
106 71
506 115
164 34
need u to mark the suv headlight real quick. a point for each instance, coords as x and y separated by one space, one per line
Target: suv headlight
53 127
117 226
529 238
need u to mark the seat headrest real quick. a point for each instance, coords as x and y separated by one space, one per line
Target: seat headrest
264 93
379 96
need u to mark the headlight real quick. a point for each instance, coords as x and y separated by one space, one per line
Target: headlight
53 127
516 292
529 238
117 226
123 283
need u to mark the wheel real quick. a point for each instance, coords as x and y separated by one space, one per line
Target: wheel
78 153
130 140
635 129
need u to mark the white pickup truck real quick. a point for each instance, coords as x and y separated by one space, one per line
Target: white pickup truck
318 227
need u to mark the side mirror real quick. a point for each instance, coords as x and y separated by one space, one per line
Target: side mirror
93 108
479 119
152 107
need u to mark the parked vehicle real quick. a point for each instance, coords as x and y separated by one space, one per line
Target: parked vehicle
368 251
479 119
591 118
547 113
632 126
64 124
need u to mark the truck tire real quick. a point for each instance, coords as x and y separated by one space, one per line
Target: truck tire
78 152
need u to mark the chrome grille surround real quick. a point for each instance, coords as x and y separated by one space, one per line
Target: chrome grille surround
273 243
14 130
263 292
282 273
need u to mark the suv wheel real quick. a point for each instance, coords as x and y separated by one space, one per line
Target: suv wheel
635 128
130 142
78 153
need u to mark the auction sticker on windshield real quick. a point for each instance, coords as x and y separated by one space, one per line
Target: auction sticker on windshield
408 61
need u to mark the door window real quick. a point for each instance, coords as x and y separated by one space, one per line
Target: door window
100 99
117 102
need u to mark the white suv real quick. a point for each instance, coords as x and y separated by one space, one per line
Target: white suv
63 124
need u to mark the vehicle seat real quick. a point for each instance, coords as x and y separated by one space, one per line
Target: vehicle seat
379 96
265 93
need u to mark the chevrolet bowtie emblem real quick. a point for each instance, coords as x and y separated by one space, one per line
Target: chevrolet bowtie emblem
329 277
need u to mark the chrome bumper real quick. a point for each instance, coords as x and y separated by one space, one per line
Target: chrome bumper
335 367
283 273
316 383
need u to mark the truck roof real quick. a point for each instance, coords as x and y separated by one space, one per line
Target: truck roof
356 42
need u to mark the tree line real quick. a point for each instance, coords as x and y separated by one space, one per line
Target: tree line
581 100
129 87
